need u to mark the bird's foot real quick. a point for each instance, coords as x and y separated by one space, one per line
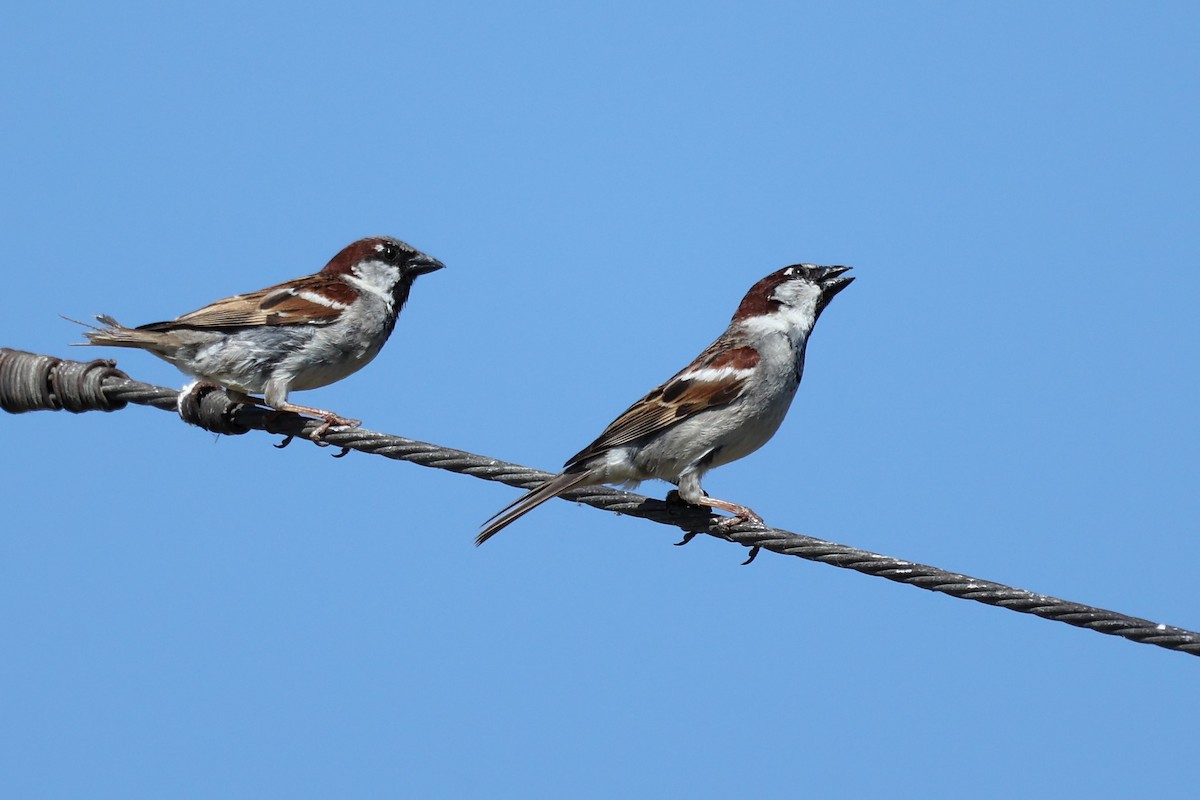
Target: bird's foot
743 515
333 421
329 420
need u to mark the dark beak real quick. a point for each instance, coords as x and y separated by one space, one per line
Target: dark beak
421 264
832 280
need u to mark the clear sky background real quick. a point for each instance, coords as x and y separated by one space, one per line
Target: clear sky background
1008 390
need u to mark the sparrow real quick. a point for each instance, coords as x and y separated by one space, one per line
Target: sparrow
302 334
724 405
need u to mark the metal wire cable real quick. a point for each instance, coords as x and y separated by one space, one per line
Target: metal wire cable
30 382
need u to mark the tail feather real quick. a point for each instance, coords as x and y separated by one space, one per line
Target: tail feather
527 502
114 334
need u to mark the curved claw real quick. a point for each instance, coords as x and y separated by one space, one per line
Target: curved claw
286 441
754 551
343 453
687 537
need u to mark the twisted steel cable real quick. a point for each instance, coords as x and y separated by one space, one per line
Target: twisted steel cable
30 382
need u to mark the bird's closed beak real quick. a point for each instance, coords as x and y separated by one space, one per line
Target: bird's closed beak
420 266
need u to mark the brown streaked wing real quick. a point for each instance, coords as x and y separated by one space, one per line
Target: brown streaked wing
275 305
676 400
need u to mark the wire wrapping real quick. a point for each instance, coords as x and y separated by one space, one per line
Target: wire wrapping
33 382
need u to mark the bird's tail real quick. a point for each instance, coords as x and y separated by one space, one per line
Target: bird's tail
114 334
528 502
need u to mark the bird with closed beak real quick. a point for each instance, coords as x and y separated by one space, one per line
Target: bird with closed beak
302 334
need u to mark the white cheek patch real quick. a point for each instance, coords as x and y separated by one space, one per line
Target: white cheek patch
374 277
774 322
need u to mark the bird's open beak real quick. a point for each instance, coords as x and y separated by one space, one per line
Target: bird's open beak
834 280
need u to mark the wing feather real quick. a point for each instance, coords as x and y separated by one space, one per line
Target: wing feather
716 378
317 299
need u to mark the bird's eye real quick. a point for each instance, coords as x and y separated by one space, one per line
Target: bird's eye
390 252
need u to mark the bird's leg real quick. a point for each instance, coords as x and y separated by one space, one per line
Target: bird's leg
690 491
743 515
276 392
740 513
330 419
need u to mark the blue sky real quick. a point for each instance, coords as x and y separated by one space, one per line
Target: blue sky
1008 390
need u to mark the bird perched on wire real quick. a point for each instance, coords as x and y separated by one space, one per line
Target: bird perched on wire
724 405
302 334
